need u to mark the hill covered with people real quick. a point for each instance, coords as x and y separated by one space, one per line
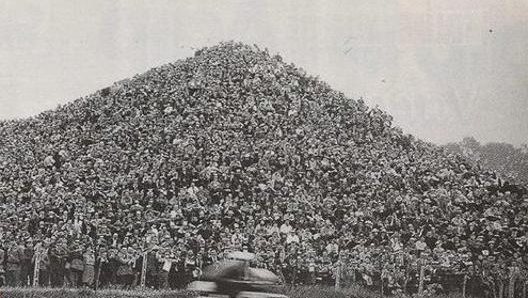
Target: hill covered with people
234 149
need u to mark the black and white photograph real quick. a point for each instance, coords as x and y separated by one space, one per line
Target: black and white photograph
264 148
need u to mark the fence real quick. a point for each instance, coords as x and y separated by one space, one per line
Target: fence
403 273
422 276
140 276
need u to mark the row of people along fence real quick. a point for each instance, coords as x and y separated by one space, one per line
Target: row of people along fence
400 273
389 273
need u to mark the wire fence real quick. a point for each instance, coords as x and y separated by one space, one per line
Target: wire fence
423 276
387 273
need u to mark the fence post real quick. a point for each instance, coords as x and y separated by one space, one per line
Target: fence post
524 289
382 276
144 270
36 269
494 288
97 263
97 274
501 289
405 284
338 277
421 284
464 286
511 286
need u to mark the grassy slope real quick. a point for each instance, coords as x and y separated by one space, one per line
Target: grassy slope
295 292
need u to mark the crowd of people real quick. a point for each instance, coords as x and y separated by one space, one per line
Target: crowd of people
233 149
509 160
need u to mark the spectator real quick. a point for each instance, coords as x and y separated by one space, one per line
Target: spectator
26 264
42 255
88 275
75 265
125 275
13 256
152 267
57 257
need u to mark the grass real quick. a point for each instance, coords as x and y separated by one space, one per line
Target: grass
350 292
292 292
88 293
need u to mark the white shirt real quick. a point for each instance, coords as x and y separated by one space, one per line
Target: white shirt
286 228
292 238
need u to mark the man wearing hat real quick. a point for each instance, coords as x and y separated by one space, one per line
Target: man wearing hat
26 263
109 268
124 272
152 267
88 275
41 255
57 257
189 265
76 265
13 258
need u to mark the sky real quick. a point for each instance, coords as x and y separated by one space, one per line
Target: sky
444 69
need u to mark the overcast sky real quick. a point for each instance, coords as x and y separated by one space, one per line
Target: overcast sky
444 69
